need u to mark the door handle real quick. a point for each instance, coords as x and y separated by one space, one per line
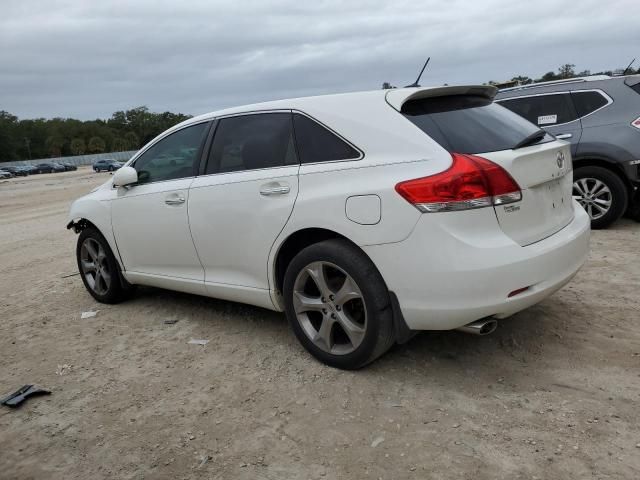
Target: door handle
174 200
274 188
562 136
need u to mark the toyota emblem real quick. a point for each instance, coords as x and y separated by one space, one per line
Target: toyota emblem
560 159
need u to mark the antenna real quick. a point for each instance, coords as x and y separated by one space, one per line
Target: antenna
628 67
415 84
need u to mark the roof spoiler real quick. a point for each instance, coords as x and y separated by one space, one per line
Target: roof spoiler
399 96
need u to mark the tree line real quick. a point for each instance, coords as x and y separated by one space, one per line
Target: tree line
565 71
56 137
131 129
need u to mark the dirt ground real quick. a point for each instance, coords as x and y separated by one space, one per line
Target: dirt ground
554 393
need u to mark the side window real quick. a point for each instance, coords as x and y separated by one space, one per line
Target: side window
175 156
588 102
250 142
543 110
317 144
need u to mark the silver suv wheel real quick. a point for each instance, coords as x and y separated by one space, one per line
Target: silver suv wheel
330 308
594 196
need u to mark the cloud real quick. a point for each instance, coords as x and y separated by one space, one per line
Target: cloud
87 59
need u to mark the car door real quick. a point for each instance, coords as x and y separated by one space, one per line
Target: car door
150 219
243 201
552 111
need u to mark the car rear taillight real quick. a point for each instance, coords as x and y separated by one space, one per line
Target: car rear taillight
636 123
470 182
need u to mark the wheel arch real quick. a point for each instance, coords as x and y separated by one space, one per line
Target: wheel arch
604 162
305 237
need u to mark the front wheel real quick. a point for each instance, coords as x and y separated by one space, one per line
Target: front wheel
338 304
601 193
99 268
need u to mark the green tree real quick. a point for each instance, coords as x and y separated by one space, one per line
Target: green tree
54 145
96 145
548 77
119 145
566 71
9 136
133 143
77 146
522 80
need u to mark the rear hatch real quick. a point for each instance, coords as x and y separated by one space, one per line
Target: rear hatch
470 123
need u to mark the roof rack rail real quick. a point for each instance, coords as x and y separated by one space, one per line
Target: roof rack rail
590 78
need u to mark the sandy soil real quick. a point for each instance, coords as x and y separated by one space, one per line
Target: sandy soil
553 394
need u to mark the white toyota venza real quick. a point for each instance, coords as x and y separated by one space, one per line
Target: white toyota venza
364 216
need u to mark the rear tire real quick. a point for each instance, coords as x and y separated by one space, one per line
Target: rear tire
602 193
353 300
99 268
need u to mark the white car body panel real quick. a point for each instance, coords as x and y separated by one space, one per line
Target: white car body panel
446 269
153 236
234 226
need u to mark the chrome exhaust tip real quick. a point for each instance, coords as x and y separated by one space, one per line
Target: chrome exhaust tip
480 327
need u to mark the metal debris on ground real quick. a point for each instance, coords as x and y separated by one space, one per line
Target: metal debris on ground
16 398
194 341
172 321
88 314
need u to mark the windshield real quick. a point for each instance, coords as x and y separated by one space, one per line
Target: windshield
470 123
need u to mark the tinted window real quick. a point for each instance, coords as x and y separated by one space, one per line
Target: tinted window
543 110
175 156
587 102
317 144
250 142
468 124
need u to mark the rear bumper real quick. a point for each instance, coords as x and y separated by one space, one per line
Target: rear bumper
459 267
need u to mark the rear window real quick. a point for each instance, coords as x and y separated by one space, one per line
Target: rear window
317 144
468 123
588 102
543 110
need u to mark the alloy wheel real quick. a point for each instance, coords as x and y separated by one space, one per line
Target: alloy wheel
330 308
94 265
594 196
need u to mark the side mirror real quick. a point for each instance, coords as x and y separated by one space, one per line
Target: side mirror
125 176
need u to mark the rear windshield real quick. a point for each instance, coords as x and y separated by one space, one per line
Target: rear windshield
469 123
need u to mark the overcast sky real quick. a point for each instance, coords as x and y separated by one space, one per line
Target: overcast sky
87 59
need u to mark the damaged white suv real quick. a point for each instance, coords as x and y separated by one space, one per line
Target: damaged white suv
364 216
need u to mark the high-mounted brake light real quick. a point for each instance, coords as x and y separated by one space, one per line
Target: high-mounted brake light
470 182
636 123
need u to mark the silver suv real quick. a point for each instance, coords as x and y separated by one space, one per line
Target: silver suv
600 116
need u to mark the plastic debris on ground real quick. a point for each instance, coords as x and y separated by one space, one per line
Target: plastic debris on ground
195 341
16 398
88 314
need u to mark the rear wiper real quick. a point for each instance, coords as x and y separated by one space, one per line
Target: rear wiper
535 137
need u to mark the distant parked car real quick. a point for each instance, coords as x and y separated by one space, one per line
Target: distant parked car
29 169
45 168
68 167
16 171
48 167
599 116
108 165
5 174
